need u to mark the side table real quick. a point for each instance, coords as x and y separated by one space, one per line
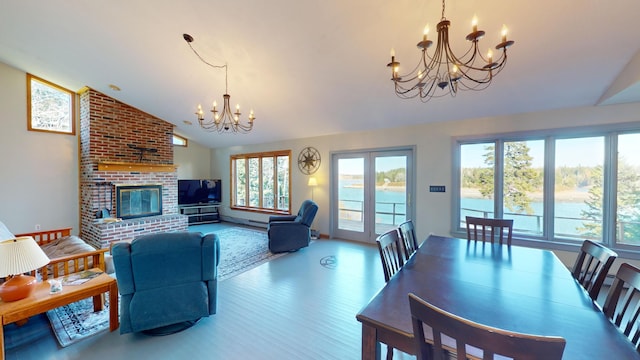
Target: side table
41 301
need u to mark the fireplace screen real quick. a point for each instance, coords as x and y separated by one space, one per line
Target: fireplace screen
134 201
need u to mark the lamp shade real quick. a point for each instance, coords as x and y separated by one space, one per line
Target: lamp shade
5 234
313 181
20 255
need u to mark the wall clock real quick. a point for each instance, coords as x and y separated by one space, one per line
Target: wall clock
309 160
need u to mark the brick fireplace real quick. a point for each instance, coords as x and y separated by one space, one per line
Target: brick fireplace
112 135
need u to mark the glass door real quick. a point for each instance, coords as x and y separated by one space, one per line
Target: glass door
371 193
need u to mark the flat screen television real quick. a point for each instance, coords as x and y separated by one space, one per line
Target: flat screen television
199 191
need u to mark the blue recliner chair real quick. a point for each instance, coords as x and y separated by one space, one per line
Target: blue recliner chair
291 232
166 281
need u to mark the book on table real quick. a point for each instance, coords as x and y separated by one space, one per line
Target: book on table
80 277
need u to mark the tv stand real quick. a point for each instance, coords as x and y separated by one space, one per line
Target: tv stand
201 213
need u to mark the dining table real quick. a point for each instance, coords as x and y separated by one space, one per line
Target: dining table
515 288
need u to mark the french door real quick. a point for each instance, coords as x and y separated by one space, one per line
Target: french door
371 192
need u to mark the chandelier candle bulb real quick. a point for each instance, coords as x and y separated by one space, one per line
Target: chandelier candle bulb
504 33
474 23
200 113
425 33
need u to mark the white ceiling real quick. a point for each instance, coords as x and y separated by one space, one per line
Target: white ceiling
311 68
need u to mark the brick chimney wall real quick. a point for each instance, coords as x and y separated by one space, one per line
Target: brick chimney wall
107 127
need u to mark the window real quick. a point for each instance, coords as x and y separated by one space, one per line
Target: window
261 182
627 229
561 186
179 141
49 107
579 185
522 189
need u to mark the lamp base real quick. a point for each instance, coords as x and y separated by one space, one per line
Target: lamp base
18 287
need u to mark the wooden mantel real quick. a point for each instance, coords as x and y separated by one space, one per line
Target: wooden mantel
135 167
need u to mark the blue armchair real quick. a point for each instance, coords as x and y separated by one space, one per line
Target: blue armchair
292 232
166 281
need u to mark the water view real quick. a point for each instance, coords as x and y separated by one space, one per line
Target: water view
391 210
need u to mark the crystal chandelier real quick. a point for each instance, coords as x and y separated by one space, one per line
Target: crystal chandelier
445 73
222 120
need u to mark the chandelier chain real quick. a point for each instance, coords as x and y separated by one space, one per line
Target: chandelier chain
225 66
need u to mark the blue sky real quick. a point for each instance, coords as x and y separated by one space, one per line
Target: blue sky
569 152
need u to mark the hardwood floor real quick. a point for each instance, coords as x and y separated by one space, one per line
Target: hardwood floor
299 306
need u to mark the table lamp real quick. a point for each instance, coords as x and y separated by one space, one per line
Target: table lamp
18 256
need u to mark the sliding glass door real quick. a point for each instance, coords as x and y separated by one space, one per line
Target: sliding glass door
371 193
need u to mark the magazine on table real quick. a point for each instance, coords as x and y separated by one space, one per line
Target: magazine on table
80 277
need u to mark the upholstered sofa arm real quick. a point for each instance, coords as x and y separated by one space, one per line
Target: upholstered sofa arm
288 218
121 253
210 256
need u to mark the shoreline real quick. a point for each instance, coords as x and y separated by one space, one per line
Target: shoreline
560 196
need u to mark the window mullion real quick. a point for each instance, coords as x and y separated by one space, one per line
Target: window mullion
276 204
498 179
247 177
610 190
548 210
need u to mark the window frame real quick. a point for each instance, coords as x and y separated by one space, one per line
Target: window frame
182 141
260 156
72 99
610 134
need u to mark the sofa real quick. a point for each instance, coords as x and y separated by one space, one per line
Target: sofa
166 281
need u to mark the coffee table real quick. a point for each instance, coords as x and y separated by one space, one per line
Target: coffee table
41 301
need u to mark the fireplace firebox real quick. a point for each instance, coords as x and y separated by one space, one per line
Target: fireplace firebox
135 201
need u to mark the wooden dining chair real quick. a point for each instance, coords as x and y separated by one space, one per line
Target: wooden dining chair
390 248
471 337
409 240
485 229
592 266
391 254
622 305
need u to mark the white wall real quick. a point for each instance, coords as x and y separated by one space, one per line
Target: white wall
194 161
39 171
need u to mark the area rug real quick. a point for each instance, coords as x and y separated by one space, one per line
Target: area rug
77 321
240 250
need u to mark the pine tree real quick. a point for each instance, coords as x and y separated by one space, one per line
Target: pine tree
628 204
520 178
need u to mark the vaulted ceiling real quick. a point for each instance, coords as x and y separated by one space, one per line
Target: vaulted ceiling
310 68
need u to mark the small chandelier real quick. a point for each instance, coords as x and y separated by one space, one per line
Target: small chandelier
445 73
222 120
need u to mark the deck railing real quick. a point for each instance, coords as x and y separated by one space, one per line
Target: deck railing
353 210
537 230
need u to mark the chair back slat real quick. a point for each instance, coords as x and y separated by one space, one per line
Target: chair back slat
592 266
409 240
622 305
485 229
472 338
391 255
